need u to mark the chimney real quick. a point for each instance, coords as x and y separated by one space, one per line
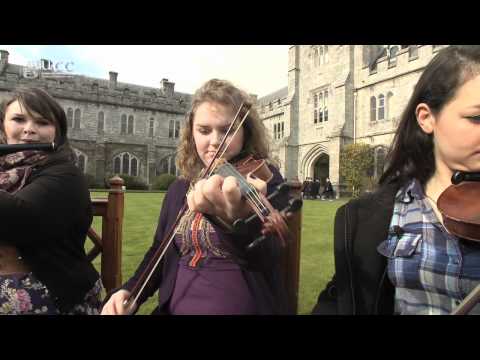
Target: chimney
4 56
113 79
167 87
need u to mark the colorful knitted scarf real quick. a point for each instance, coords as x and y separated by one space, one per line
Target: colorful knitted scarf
16 168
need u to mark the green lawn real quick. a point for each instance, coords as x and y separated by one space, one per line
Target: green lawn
316 268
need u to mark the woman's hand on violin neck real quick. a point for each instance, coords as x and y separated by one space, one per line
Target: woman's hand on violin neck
115 305
222 197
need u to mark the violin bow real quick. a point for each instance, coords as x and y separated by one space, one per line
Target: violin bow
468 303
142 282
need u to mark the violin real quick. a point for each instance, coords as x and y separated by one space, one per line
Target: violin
266 218
460 208
269 214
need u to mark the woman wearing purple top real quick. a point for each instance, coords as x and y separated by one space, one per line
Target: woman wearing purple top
207 269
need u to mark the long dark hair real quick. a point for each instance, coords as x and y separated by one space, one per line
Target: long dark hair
39 101
411 154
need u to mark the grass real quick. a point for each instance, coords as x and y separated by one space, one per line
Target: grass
316 258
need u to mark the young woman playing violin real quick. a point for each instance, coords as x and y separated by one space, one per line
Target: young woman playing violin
393 254
208 270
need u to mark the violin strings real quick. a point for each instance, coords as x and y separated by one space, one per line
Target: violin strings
248 190
252 195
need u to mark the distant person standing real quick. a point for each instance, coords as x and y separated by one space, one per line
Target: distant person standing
328 191
307 188
315 188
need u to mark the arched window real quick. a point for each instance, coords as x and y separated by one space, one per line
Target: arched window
282 131
76 119
117 165
123 124
130 124
177 129
163 167
315 57
320 110
413 51
325 106
101 123
381 107
321 55
167 166
392 56
326 54
81 160
171 126
127 164
315 116
389 111
373 108
69 117
133 167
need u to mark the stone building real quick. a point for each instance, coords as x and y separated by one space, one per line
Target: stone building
336 95
114 127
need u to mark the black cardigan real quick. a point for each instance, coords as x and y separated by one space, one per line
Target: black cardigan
360 284
47 221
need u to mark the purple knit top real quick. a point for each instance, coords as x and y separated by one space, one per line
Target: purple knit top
208 281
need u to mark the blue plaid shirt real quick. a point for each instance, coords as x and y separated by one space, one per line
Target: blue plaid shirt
432 270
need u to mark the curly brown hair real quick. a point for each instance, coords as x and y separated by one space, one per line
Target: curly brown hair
225 93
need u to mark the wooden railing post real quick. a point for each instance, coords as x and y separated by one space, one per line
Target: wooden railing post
291 258
112 239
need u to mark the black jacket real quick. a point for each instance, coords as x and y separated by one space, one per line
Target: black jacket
260 267
360 284
47 221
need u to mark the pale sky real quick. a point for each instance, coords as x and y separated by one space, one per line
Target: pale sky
258 69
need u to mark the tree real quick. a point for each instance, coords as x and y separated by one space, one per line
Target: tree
356 167
163 181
